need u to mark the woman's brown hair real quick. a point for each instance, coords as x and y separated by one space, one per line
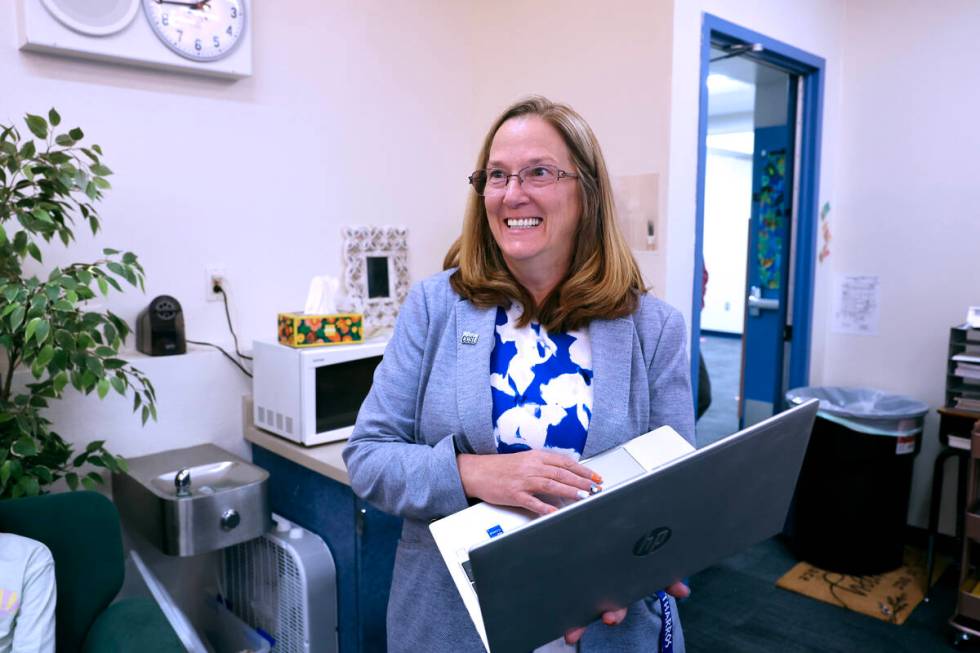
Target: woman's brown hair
603 279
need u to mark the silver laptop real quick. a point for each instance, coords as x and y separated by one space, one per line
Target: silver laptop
563 570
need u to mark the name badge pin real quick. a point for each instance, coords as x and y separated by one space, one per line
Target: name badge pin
469 338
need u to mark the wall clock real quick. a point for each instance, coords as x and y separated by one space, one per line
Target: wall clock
201 37
199 30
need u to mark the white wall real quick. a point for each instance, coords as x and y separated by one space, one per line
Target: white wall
907 199
610 61
357 112
727 210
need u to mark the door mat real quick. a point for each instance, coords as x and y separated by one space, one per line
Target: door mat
890 597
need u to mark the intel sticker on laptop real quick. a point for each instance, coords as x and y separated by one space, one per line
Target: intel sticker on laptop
494 531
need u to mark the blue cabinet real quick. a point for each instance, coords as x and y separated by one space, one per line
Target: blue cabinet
361 538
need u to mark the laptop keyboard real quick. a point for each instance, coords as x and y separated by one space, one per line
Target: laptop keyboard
468 570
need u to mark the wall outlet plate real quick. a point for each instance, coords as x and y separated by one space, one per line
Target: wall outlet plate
214 274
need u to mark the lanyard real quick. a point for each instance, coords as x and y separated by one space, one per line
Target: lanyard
667 625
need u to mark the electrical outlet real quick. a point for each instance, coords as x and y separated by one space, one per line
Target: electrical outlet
215 276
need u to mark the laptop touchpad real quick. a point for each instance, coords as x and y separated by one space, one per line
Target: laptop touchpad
615 467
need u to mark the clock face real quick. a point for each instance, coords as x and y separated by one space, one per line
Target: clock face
200 30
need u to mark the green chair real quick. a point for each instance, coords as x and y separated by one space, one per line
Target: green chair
82 531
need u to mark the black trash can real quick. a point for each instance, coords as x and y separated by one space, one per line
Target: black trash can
852 497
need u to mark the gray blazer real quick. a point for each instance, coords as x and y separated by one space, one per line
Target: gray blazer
431 397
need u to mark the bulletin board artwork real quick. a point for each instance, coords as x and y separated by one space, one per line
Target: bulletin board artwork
771 218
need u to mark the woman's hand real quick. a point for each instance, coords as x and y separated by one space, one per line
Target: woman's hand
615 617
513 479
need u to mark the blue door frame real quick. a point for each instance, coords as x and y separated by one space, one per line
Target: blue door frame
811 69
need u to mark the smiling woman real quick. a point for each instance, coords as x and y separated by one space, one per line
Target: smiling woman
535 348
540 228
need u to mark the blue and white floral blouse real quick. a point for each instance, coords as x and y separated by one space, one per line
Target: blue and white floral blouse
541 386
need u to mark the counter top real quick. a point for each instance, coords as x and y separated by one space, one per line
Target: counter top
323 459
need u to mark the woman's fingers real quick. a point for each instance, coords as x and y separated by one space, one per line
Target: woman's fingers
572 636
679 590
558 475
614 617
610 618
536 505
563 484
515 479
562 461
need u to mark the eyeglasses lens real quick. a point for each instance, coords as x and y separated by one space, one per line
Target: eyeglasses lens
495 181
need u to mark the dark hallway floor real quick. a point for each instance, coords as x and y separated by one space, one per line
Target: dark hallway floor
736 607
723 358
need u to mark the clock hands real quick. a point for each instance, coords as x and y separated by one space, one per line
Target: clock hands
193 4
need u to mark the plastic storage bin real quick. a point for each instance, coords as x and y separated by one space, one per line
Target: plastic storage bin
226 633
852 498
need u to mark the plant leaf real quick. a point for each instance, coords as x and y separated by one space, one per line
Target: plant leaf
37 125
25 446
29 485
45 355
31 327
53 117
60 381
16 317
42 473
118 384
27 152
42 331
102 387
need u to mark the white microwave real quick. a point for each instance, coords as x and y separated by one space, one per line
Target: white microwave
312 395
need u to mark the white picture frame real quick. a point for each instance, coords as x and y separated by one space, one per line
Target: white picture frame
376 272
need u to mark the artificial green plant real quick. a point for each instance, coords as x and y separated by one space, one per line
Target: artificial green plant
47 184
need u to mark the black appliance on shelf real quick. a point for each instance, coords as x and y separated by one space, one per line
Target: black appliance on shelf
160 328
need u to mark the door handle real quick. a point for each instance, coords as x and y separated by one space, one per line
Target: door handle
757 303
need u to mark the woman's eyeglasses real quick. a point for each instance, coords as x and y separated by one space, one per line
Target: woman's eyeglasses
493 181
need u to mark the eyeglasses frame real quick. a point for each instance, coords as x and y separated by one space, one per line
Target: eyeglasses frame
520 179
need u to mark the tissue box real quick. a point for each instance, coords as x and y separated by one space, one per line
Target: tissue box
303 330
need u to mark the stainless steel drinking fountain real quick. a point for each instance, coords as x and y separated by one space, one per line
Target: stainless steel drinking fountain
194 500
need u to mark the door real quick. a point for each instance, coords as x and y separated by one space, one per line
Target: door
767 280
760 119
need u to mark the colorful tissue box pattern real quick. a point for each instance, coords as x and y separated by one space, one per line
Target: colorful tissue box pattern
302 330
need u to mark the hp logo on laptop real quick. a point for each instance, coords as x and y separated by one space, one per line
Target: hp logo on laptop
651 541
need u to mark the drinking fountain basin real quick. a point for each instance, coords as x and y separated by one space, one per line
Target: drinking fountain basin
193 500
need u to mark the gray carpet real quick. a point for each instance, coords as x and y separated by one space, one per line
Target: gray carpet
736 607
723 358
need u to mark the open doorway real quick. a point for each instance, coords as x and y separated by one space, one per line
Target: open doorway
757 178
